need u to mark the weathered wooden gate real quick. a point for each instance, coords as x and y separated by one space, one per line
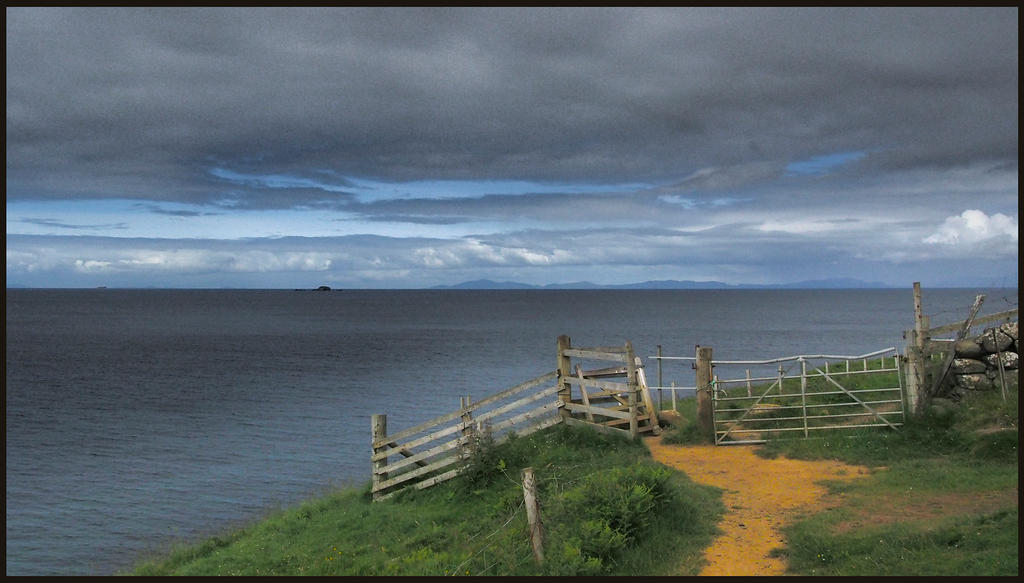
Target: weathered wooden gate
826 392
614 406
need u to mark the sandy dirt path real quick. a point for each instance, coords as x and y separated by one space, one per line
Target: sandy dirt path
760 496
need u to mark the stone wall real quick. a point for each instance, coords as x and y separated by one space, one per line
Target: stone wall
976 363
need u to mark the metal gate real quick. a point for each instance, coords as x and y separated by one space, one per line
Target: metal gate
806 394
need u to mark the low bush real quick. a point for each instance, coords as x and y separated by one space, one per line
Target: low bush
605 513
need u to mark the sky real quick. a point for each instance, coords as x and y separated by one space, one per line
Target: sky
409 147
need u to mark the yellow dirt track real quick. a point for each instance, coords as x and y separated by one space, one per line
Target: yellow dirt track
760 495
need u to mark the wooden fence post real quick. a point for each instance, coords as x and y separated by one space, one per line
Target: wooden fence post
919 316
634 389
564 362
467 430
915 381
916 370
705 413
644 394
533 514
917 357
379 430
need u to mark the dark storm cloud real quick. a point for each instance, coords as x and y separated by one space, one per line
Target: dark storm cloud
157 209
555 207
143 103
243 198
63 225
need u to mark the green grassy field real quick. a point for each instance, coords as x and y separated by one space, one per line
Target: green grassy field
605 506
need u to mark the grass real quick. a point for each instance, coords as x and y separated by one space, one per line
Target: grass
606 507
687 433
942 501
945 504
984 544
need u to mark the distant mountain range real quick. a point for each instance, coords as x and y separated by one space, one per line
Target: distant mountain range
837 283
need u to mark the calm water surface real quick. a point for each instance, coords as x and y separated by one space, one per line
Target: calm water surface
139 418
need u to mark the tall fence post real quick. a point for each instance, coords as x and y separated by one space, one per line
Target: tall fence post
705 411
379 430
564 362
915 376
918 314
467 430
634 389
533 514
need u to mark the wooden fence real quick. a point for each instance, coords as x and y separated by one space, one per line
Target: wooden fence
437 450
613 399
923 348
429 450
613 406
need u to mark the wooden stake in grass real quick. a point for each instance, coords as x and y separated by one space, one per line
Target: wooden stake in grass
379 428
533 514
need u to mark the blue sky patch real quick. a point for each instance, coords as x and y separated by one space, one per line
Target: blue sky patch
820 165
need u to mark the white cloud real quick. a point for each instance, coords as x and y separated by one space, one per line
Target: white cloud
265 261
973 228
472 252
91 265
105 260
39 259
797 227
436 258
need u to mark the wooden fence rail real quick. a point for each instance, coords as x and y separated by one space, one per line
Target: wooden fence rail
434 446
436 450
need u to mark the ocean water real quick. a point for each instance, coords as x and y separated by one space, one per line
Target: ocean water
137 419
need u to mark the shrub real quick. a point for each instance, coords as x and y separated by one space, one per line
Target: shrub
482 461
605 513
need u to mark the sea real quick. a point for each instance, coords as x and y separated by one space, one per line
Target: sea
138 420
